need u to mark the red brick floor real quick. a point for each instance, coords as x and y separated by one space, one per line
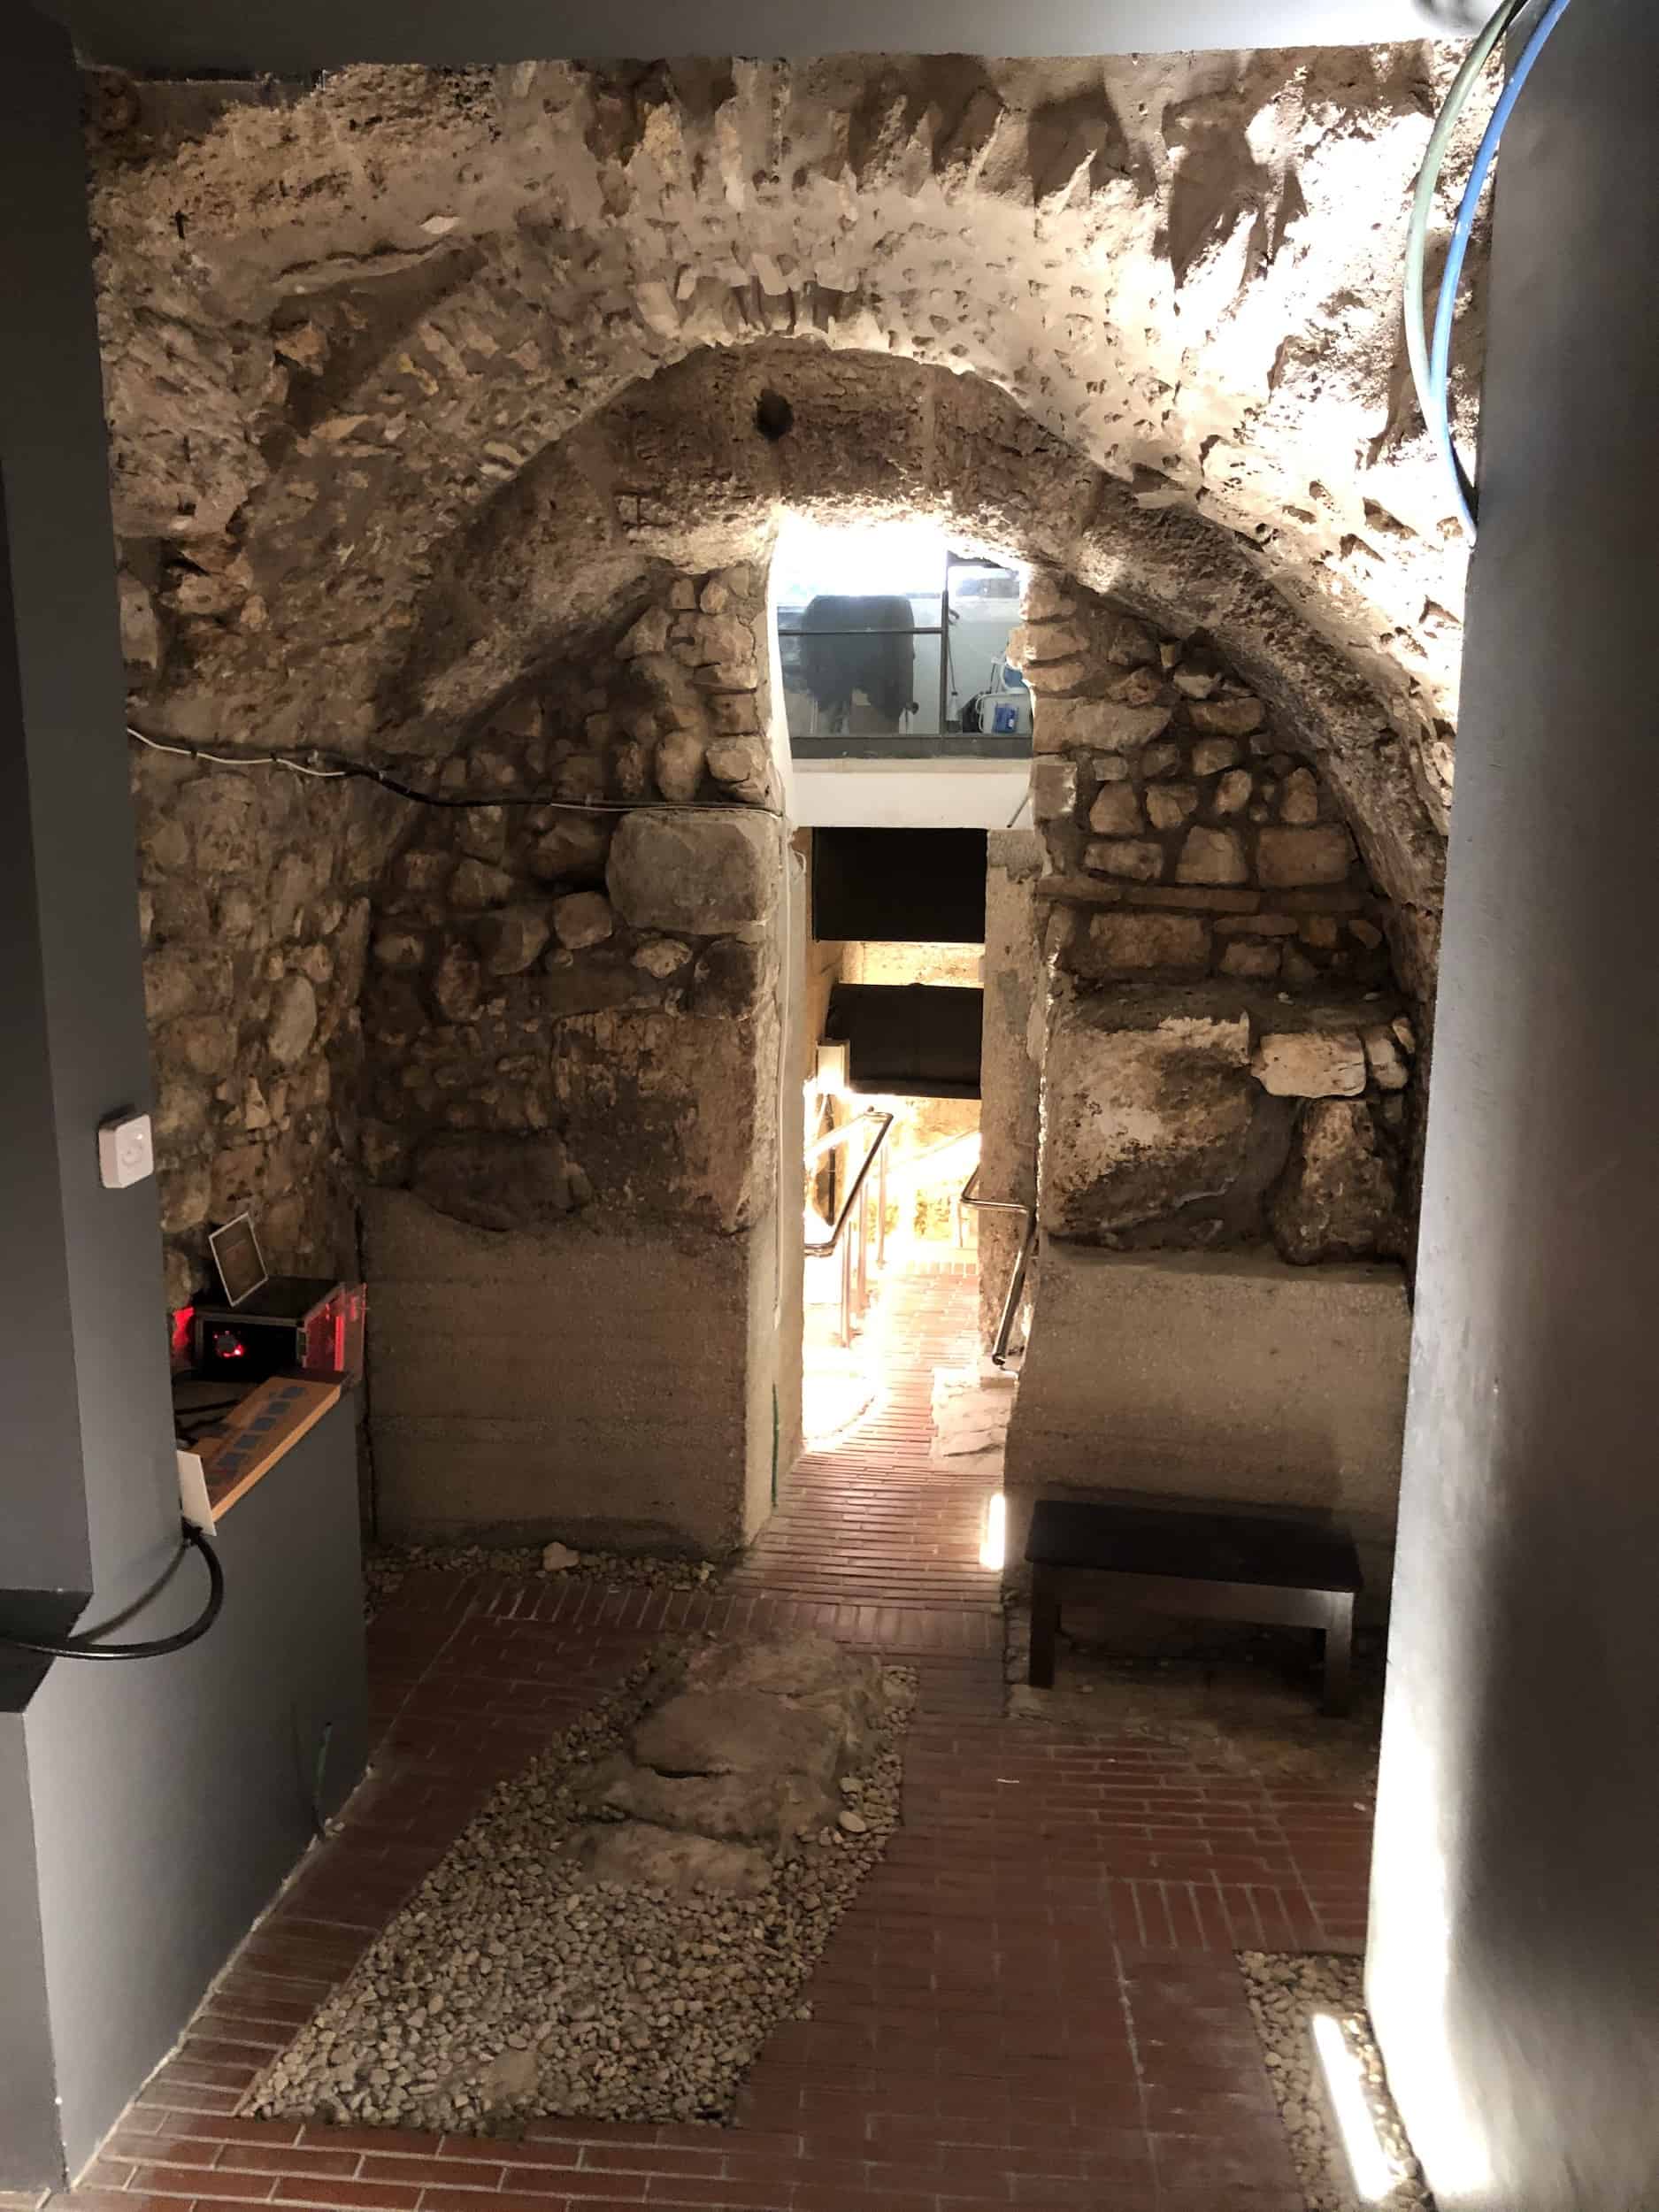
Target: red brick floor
1031 2003
869 1521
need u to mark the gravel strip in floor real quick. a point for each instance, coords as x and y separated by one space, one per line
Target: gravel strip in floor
1286 1991
387 1566
507 1989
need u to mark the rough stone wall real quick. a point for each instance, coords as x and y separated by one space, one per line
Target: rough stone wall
1228 1055
415 380
572 1001
254 907
571 1039
428 390
344 324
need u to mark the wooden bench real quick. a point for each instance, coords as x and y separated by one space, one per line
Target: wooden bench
1215 1566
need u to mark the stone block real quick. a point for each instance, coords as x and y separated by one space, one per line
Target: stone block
1126 642
703 874
1211 754
1256 958
293 1020
498 1182
1233 791
1053 790
512 939
1047 641
1133 944
661 957
482 832
1310 1064
1299 799
1082 726
1170 804
572 848
1049 597
1162 759
1338 1197
1137 1122
742 767
669 1113
678 766
1116 812
582 919
738 1730
1234 716
1285 859
1059 678
1211 856
456 990
475 885
1130 859
140 631
1389 1068
649 635
734 714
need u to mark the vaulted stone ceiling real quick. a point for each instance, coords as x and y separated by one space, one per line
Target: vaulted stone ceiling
345 324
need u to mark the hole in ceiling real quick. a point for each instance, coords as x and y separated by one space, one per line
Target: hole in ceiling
774 417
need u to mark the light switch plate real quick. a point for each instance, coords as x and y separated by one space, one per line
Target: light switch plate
193 1498
126 1150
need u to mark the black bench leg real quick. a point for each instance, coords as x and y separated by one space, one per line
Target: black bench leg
1339 1655
1045 1626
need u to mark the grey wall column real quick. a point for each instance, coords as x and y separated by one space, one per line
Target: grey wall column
64 752
148 1810
1515 1965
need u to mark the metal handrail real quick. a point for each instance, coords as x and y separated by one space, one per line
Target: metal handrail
819 1245
830 1138
1017 1281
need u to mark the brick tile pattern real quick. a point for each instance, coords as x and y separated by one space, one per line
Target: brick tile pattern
1031 2004
872 1521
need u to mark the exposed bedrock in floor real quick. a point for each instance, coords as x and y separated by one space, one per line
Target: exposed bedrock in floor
618 1933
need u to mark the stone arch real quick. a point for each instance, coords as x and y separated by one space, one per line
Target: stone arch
675 474
338 320
422 386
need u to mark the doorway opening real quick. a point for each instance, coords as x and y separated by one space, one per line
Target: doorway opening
892 1009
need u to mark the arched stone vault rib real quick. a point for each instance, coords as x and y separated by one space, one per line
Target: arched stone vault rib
339 319
675 472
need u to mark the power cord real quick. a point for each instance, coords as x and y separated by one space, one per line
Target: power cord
1430 360
334 767
157 1648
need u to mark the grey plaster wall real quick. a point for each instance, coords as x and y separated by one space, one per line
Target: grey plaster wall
30 2145
145 1810
45 1517
170 1798
76 1045
1513 1973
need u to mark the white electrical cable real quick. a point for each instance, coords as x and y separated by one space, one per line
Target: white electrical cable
226 760
367 773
